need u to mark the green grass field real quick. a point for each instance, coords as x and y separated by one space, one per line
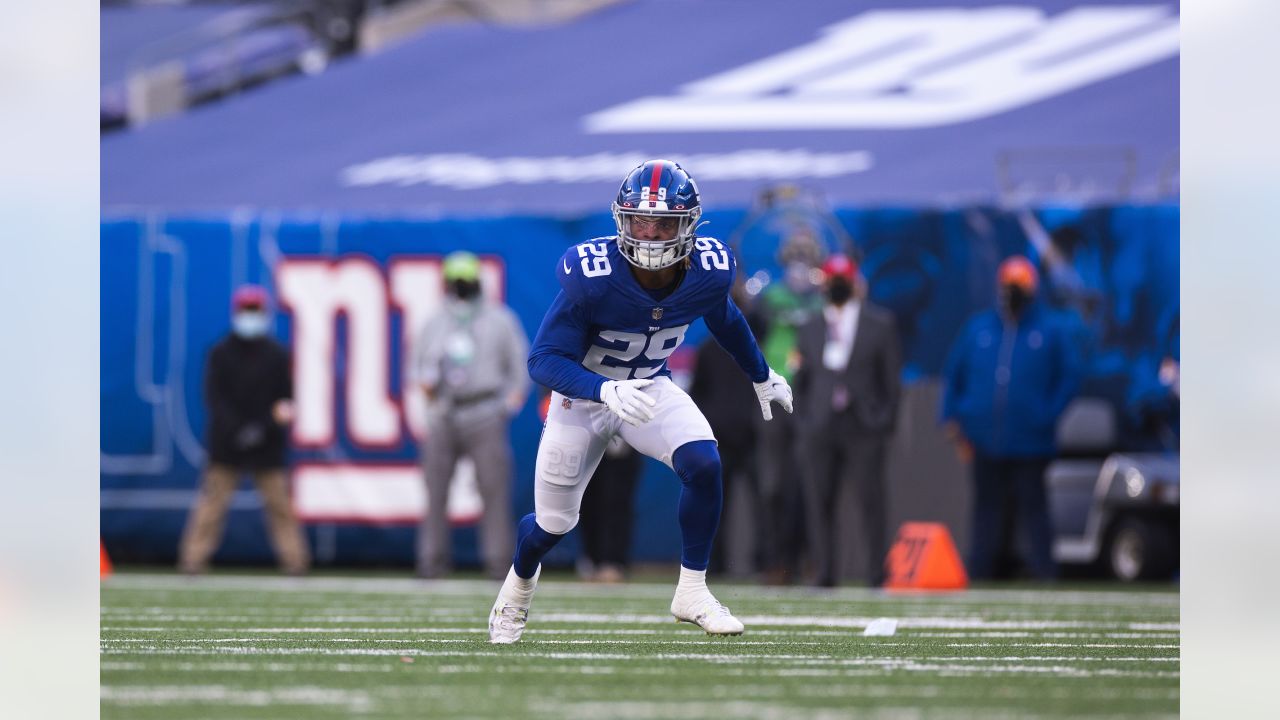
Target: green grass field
251 646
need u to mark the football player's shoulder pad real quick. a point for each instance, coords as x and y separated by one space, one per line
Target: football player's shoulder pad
714 261
585 268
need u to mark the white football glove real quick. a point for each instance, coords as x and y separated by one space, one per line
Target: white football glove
773 389
627 400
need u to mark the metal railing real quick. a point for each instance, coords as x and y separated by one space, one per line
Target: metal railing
1067 174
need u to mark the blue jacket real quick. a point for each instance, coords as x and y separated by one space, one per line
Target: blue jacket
1006 384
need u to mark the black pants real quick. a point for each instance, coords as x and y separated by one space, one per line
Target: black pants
1010 493
845 501
608 510
780 510
738 479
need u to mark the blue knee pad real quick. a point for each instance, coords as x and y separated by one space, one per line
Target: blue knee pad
697 462
698 465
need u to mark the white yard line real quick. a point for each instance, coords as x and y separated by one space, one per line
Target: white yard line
324 630
904 622
247 667
721 642
215 616
632 710
353 701
858 622
529 651
1129 646
475 629
428 641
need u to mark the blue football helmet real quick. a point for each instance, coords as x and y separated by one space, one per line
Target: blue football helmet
656 212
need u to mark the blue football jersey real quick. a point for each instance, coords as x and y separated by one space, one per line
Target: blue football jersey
612 328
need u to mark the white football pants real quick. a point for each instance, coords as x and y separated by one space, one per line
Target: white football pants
575 437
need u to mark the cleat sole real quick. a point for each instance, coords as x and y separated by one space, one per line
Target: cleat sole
708 632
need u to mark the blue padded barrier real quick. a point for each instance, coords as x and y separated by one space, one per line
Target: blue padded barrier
166 284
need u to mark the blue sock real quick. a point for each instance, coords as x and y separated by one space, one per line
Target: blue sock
532 543
698 465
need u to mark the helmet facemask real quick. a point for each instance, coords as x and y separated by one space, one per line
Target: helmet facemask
648 249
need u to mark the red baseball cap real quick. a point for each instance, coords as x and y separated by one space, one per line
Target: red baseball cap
841 265
247 296
1017 270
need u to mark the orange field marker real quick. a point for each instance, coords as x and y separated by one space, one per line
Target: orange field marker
923 557
104 562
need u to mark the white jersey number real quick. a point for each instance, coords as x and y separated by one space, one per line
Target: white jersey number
712 254
657 346
597 263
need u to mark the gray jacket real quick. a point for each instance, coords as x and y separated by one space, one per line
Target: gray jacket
474 354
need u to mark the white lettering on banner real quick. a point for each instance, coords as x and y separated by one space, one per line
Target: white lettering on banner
415 291
912 68
316 293
391 493
470 172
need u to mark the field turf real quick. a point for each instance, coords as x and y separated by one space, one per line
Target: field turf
256 646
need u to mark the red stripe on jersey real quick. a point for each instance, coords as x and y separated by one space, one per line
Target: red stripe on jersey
653 182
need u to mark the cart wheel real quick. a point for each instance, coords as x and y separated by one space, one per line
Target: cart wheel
1140 550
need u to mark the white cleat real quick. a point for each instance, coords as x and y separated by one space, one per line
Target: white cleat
707 613
511 612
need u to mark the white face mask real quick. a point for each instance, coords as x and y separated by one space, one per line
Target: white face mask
654 255
250 325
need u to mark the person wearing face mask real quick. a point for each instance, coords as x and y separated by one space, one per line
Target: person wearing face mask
847 392
470 364
1009 376
783 307
248 388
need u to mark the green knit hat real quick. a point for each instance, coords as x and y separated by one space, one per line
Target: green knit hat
461 265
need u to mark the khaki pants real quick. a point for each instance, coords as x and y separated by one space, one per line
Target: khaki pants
203 532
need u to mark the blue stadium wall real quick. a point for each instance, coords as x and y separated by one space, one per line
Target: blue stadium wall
166 283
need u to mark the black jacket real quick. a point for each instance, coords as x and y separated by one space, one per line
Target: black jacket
724 393
872 376
243 379
725 396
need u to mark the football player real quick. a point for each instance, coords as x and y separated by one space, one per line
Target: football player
624 306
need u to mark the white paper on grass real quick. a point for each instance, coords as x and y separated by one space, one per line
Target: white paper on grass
881 627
